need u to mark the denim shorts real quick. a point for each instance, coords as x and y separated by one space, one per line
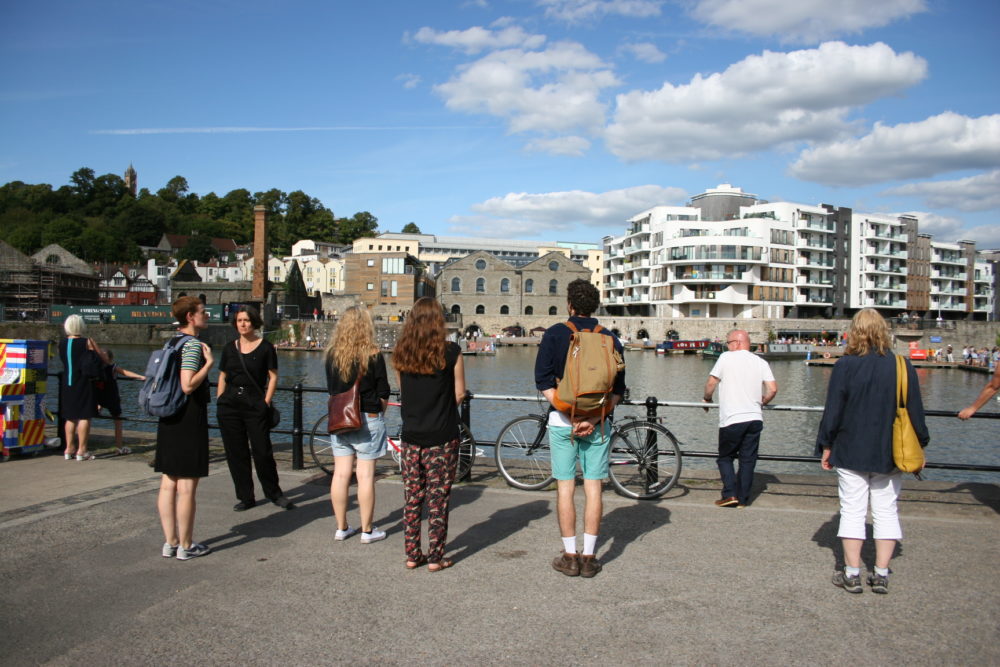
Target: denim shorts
368 442
592 451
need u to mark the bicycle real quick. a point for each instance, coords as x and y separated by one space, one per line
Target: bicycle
644 462
321 447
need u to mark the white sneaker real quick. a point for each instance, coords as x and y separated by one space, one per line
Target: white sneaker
374 536
341 535
192 551
169 550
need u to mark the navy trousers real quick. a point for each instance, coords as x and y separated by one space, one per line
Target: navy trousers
738 441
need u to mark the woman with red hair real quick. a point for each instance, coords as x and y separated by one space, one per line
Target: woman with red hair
432 384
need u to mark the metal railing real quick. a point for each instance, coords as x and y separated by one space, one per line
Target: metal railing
651 404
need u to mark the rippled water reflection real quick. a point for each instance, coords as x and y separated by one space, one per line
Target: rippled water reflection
678 378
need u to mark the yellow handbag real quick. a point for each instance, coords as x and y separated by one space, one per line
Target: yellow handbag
907 453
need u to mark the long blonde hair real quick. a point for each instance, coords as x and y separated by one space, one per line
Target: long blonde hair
868 333
352 343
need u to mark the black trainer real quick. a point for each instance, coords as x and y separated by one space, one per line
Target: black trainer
879 583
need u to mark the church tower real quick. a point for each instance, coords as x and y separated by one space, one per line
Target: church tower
131 179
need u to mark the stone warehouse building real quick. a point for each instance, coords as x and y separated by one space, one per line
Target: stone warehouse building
483 284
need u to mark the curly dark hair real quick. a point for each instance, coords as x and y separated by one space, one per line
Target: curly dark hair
420 347
583 297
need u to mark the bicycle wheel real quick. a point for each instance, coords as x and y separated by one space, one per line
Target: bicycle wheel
522 453
321 446
466 452
645 460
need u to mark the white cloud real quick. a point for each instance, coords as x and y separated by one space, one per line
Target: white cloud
571 145
477 39
644 52
762 102
410 81
804 21
574 11
553 90
940 144
522 213
975 193
948 229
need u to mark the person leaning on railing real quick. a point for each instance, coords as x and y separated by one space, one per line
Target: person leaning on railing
988 392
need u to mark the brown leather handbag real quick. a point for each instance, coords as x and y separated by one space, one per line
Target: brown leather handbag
344 410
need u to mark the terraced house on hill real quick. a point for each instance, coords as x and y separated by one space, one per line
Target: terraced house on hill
729 254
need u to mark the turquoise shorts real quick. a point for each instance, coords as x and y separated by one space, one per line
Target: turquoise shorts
591 451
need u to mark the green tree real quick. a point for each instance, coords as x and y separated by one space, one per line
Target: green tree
360 225
411 228
65 231
199 248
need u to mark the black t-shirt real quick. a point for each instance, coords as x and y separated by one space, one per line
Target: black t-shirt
263 358
430 415
374 385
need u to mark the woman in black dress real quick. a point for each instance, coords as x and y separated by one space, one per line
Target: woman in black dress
248 377
182 439
81 359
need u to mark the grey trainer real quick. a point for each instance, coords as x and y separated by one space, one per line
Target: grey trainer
879 583
849 584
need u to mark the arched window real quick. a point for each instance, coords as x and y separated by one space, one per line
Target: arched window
529 310
552 310
480 264
456 284
505 285
504 310
553 287
480 309
529 286
456 309
480 285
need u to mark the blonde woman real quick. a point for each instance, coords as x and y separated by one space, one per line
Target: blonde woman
352 353
81 359
855 437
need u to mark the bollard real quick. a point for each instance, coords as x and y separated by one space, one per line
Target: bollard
297 462
651 448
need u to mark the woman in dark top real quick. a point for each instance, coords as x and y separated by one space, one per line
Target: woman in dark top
352 352
432 384
81 359
855 437
182 439
243 397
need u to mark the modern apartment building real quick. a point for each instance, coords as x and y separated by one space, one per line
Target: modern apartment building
728 254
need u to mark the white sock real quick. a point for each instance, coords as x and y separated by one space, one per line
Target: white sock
882 571
589 544
851 571
569 544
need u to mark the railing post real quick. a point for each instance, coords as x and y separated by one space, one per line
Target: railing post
60 424
652 470
297 462
466 409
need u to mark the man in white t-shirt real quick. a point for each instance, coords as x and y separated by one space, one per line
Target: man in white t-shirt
745 384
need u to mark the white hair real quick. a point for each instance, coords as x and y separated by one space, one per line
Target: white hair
74 325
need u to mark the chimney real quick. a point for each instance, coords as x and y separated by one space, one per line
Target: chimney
259 253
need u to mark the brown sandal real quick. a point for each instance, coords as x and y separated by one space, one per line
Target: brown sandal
414 564
443 564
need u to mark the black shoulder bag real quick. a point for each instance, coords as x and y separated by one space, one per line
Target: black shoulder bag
273 414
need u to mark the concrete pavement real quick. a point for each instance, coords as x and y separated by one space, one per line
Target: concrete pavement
684 582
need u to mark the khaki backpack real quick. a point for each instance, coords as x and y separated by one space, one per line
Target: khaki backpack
592 362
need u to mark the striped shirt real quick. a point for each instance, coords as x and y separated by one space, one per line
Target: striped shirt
191 355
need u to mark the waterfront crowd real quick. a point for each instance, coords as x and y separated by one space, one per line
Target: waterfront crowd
854 437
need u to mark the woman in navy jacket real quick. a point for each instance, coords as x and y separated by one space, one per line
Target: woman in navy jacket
855 437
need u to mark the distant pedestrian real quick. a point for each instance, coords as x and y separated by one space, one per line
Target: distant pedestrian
745 383
432 384
855 437
82 359
951 354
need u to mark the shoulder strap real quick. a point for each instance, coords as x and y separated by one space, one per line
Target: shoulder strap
239 353
902 382
598 329
572 327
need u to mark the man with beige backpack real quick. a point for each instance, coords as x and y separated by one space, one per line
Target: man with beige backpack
579 370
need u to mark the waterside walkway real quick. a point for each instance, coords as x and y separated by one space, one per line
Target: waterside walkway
684 582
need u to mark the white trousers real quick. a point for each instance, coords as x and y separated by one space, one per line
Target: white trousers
856 489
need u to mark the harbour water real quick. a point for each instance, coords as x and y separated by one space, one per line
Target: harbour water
668 378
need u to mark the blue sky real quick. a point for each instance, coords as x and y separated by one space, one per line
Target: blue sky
547 119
